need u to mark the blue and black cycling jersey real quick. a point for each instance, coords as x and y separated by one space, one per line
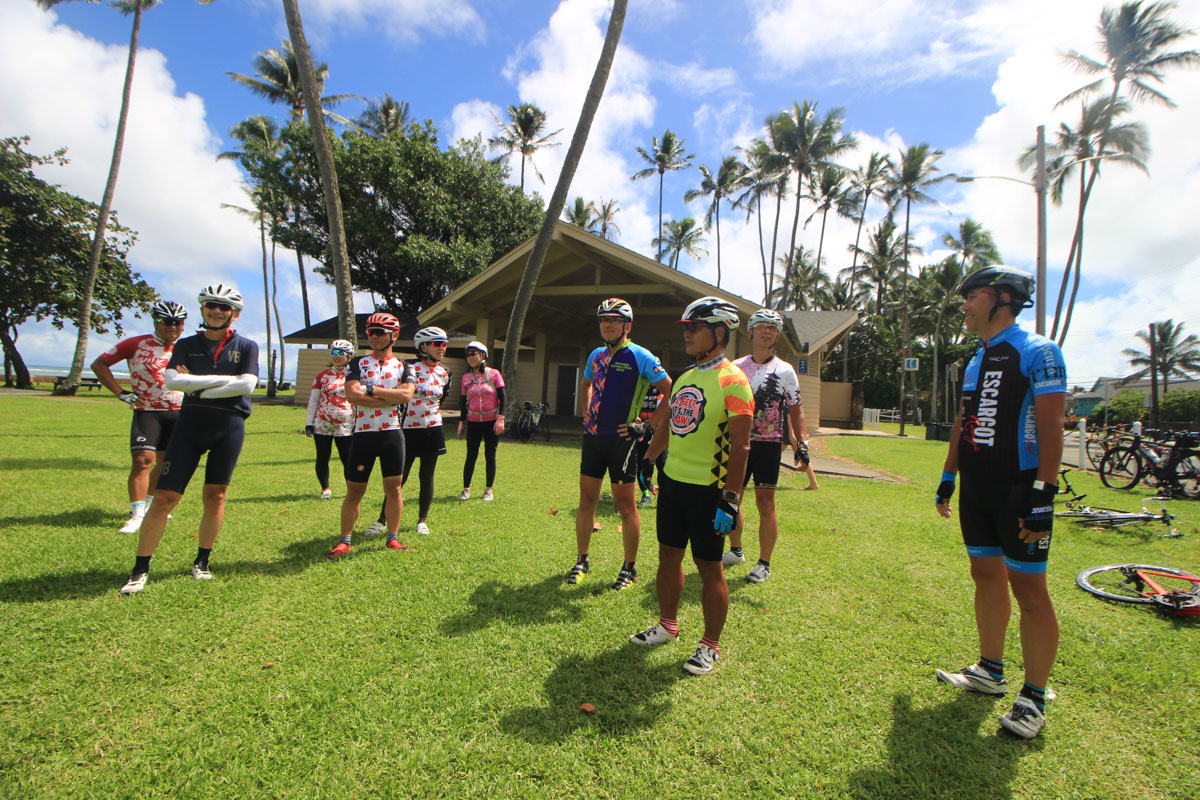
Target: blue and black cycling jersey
234 355
999 421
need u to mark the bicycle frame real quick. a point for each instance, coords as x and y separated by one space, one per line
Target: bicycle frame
1141 587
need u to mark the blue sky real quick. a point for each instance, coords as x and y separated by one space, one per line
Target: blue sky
973 79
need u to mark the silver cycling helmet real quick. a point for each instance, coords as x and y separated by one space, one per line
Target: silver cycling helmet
480 346
220 293
765 316
167 309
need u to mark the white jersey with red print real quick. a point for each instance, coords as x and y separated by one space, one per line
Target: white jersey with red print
333 415
147 356
776 389
369 371
425 408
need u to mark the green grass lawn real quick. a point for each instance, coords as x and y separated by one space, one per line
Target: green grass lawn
457 669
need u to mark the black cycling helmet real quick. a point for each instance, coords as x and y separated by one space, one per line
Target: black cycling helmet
1017 282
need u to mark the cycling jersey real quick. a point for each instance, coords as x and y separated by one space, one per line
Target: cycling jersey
370 371
619 380
430 382
329 412
999 420
483 394
702 401
776 389
234 355
147 356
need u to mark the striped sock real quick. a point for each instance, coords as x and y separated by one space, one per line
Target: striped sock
996 668
1035 693
346 539
393 537
671 626
711 643
737 551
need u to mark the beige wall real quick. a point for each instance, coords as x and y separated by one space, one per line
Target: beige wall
835 401
810 387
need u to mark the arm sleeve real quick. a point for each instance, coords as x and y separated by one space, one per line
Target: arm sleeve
500 398
314 398
462 398
243 384
192 383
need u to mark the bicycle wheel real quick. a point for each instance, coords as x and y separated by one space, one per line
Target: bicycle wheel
525 427
1120 582
1096 447
1187 476
1121 468
1105 517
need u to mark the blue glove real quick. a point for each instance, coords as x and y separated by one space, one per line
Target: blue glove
726 516
945 489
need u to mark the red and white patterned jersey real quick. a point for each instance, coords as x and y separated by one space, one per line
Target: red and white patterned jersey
333 416
368 370
425 408
147 357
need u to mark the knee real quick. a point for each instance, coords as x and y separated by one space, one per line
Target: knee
215 495
166 500
143 460
355 491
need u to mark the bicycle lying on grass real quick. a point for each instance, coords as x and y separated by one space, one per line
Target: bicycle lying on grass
1173 590
532 420
1097 517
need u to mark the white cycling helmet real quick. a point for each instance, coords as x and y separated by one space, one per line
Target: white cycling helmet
480 346
167 309
428 335
220 293
615 306
712 310
765 316
342 344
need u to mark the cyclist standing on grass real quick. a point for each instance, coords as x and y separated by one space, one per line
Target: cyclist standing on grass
155 408
216 370
613 385
482 407
777 407
377 384
1007 444
712 410
330 417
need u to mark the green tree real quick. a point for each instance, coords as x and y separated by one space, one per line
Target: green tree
276 79
974 245
883 261
767 175
1175 355
1180 407
384 117
939 293
831 191
868 179
682 236
606 219
524 134
45 248
802 284
581 214
1128 406
667 155
87 287
729 178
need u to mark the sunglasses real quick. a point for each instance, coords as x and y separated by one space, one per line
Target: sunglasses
339 352
377 332
438 344
694 327
172 321
211 306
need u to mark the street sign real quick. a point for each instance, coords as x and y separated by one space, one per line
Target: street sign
802 366
911 364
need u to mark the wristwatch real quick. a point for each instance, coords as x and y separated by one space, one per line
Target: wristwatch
1043 486
370 390
731 496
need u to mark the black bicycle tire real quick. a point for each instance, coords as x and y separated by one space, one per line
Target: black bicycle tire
1108 518
1096 448
1114 471
1083 581
525 428
1187 477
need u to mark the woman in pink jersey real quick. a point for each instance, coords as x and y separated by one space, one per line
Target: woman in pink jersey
482 407
330 417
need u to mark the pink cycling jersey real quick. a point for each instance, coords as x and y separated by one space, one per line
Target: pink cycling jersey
332 414
147 357
425 408
483 405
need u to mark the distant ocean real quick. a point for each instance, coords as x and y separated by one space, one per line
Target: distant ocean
41 369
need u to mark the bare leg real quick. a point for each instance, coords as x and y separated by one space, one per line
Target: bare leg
585 517
351 505
150 534
714 597
394 502
768 522
139 474
992 605
214 513
625 496
669 582
1039 625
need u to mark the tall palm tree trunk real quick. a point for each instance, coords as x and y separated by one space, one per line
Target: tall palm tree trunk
853 286
774 240
762 254
347 326
84 319
278 324
661 175
718 242
262 235
1062 287
533 267
795 225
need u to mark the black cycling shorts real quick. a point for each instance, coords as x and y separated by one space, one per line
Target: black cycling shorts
425 442
201 430
387 446
614 455
987 514
685 514
763 464
151 430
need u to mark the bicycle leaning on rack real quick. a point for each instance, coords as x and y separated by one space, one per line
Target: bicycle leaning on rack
532 420
1101 441
1173 590
1173 469
1095 516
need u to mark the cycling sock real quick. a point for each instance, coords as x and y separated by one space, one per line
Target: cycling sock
996 668
394 537
202 556
737 551
137 509
583 559
711 643
671 626
346 539
1035 693
765 563
141 564
629 565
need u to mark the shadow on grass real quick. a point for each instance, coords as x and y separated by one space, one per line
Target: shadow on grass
939 753
54 462
297 557
273 498
624 689
80 517
543 603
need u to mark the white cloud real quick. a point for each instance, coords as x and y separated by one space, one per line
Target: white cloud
695 79
473 118
403 20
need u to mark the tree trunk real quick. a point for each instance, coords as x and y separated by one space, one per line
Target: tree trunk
775 239
661 174
8 341
787 273
516 322
1062 336
278 324
347 325
718 241
853 283
762 253
262 234
933 404
84 320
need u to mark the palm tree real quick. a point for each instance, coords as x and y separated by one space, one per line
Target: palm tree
666 155
533 267
383 117
606 215
729 178
974 246
259 217
768 172
939 286
884 259
311 89
83 320
866 180
277 79
523 134
581 214
683 236
802 284
841 295
1074 149
910 180
1173 356
1134 45
830 191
